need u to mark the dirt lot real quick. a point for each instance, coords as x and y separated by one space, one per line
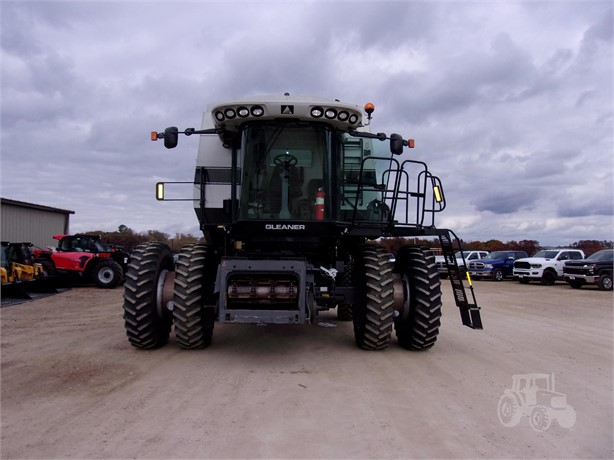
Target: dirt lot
72 386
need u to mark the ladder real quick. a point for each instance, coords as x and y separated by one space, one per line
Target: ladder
469 310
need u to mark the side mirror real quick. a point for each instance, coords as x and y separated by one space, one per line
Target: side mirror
171 137
396 144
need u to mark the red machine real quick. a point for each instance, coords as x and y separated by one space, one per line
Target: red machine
86 256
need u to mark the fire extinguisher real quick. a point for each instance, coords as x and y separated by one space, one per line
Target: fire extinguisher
319 214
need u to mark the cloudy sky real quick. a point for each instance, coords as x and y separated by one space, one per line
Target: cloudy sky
510 103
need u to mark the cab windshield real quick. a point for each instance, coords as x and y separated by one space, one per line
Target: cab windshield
602 256
546 254
497 255
287 174
285 165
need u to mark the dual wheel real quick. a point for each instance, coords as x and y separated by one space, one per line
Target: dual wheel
414 309
147 316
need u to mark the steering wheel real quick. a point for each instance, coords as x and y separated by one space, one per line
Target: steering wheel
285 159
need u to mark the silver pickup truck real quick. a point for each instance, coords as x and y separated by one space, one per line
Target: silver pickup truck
469 255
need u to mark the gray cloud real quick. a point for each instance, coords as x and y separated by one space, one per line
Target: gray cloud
510 103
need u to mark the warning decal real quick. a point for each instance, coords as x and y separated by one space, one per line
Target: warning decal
287 110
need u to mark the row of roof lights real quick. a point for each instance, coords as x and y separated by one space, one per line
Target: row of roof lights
330 113
257 111
242 112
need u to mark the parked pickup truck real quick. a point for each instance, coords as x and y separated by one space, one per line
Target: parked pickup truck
496 265
469 257
546 266
596 269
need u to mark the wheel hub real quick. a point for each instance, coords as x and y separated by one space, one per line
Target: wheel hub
105 275
164 293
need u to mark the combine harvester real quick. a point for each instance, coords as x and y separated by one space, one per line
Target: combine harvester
290 194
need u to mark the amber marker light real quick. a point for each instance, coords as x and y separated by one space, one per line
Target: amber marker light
154 136
437 193
411 143
369 108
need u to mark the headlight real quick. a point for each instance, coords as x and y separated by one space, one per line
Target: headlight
487 265
257 111
330 113
317 112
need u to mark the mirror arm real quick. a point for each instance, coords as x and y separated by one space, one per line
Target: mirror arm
380 136
190 131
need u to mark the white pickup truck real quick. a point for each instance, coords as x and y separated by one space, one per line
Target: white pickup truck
469 255
546 266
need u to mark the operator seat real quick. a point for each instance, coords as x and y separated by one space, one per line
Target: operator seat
296 177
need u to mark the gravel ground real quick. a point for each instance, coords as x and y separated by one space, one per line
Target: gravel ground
72 386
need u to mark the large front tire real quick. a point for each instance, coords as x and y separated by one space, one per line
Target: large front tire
417 325
373 312
147 324
194 306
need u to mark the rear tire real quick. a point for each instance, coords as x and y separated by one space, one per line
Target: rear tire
605 282
373 312
146 324
107 274
417 326
508 411
194 305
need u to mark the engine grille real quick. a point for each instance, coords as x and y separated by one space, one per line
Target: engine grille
576 270
521 264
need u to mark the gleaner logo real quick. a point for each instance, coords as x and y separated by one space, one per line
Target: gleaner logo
284 227
287 110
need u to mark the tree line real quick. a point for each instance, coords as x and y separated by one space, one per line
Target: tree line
129 239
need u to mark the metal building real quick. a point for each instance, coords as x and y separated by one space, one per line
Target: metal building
34 223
